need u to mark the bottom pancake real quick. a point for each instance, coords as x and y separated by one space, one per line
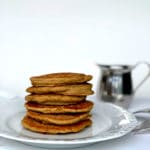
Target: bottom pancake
40 127
59 119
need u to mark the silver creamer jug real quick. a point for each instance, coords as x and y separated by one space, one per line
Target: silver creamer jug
116 83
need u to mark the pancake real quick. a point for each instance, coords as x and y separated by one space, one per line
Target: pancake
55 79
76 89
39 98
59 119
81 107
56 103
40 127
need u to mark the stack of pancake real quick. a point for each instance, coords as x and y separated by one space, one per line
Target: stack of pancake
57 103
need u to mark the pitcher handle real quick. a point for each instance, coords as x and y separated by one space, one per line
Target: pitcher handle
147 75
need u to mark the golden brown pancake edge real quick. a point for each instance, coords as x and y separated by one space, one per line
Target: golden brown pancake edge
59 79
58 119
53 98
39 127
81 107
75 89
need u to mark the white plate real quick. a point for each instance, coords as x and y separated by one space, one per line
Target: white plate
109 122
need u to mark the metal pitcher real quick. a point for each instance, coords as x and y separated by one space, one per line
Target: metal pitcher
116 85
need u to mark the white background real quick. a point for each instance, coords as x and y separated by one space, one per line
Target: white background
44 36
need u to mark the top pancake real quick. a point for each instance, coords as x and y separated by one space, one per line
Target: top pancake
55 79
